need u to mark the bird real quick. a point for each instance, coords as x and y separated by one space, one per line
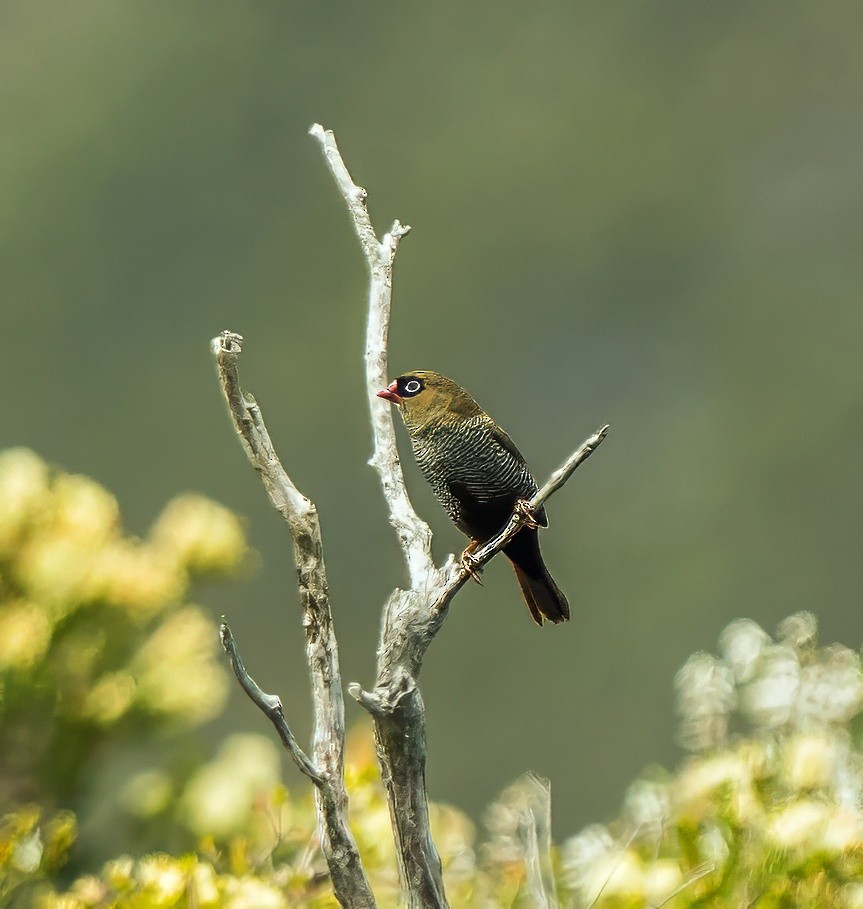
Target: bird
479 477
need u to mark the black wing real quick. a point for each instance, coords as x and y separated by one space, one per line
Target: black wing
487 478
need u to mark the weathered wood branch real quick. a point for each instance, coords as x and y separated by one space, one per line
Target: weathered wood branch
413 533
269 704
325 767
411 617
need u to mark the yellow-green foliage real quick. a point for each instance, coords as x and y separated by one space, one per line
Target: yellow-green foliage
97 641
32 849
257 842
769 817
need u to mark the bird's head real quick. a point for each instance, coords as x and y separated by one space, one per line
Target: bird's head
426 397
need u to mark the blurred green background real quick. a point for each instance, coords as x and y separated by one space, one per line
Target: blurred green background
648 214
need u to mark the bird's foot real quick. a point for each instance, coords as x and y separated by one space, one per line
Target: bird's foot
525 514
470 565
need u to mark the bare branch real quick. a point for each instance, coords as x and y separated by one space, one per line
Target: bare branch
411 617
326 768
269 704
294 507
354 196
413 533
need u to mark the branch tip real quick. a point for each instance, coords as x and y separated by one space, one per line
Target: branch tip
270 705
379 256
228 342
399 230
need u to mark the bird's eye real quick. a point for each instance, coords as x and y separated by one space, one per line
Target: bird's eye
412 387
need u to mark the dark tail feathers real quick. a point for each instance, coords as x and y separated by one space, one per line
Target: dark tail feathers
543 596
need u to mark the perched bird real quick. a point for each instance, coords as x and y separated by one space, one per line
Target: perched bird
478 475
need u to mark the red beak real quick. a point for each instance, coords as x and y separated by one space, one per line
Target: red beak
390 393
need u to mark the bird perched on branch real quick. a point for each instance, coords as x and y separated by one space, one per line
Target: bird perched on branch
479 477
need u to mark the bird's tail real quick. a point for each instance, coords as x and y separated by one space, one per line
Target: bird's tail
543 597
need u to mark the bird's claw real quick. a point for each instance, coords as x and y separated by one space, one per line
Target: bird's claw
470 565
525 514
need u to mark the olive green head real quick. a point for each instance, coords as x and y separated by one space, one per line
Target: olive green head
426 397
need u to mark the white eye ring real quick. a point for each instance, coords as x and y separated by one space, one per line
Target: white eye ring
412 386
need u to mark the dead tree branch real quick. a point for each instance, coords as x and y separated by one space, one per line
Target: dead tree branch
413 533
414 616
325 768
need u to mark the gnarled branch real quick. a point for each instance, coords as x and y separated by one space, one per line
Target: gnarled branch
414 616
326 766
411 617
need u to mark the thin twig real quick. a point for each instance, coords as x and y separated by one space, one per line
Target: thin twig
621 853
535 827
354 196
269 704
696 875
557 480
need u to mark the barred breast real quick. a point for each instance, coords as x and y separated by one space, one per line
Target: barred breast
475 471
